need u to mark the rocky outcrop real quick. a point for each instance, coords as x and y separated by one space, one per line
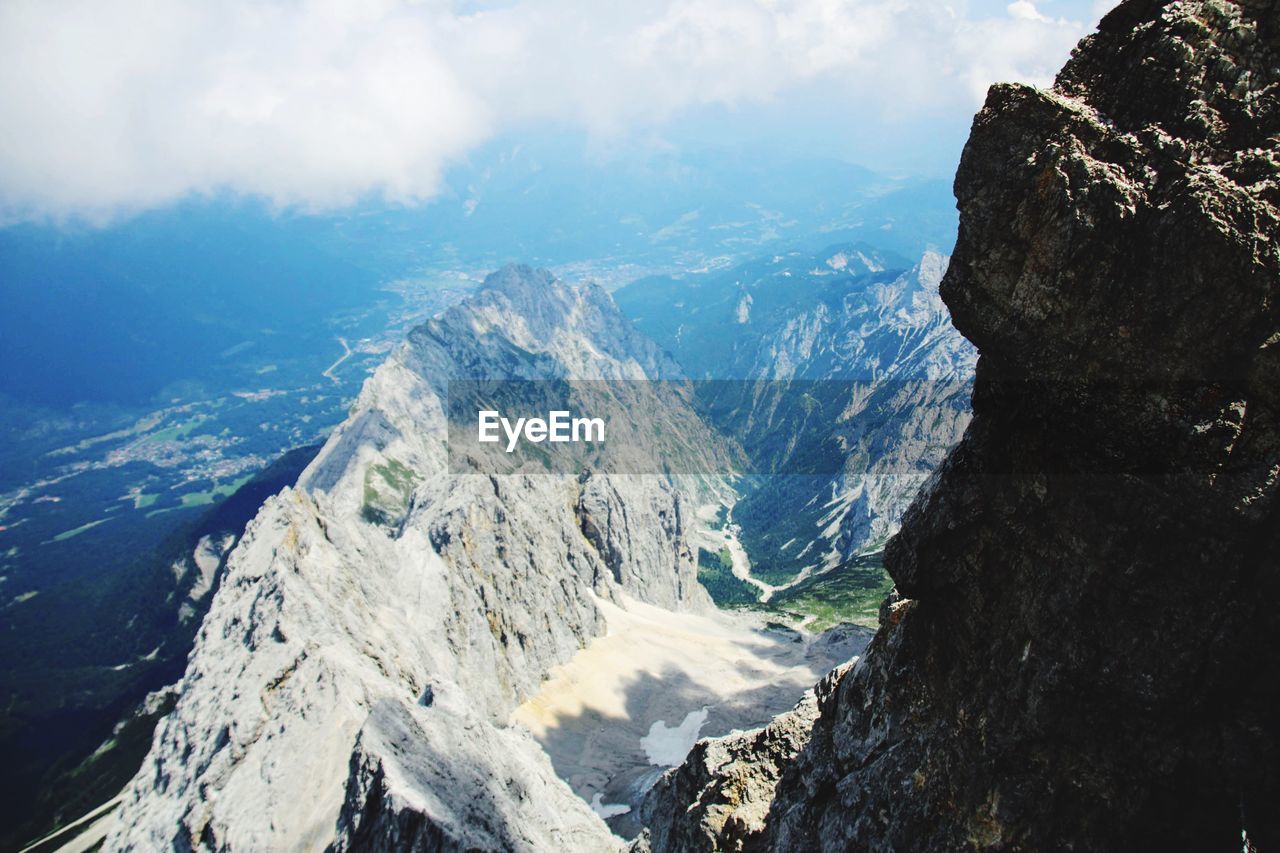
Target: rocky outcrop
421 781
1084 647
377 624
719 797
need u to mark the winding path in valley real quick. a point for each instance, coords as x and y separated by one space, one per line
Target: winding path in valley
346 354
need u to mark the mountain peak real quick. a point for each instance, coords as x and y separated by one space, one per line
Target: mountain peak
518 279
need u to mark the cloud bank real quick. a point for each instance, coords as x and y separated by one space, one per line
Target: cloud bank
119 105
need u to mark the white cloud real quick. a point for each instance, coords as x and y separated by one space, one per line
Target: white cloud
109 105
1027 11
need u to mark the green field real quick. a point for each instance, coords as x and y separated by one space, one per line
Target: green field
224 490
850 592
177 431
65 535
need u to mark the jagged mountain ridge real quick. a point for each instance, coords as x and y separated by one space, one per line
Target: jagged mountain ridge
1083 650
378 622
849 364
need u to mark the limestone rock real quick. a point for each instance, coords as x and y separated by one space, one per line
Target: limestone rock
376 624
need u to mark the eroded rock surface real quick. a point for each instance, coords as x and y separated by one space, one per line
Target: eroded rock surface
719 798
1083 652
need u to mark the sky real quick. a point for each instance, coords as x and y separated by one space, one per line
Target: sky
111 107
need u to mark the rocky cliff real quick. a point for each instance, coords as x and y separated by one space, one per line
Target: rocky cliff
1084 648
903 375
377 624
852 385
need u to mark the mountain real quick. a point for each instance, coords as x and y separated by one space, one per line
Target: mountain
131 311
156 361
1082 649
557 197
378 622
80 715
842 377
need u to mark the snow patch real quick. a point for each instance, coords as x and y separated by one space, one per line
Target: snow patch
871 265
667 746
608 810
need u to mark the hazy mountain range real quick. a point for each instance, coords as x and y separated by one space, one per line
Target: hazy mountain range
204 343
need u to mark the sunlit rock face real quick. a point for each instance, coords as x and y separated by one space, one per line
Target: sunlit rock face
1083 648
894 377
852 386
379 622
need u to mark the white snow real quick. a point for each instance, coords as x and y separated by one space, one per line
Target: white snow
871 265
666 746
608 810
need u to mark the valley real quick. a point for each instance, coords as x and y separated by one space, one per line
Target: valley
103 500
635 663
512 427
631 704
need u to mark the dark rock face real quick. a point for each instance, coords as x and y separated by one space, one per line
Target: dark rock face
1084 648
